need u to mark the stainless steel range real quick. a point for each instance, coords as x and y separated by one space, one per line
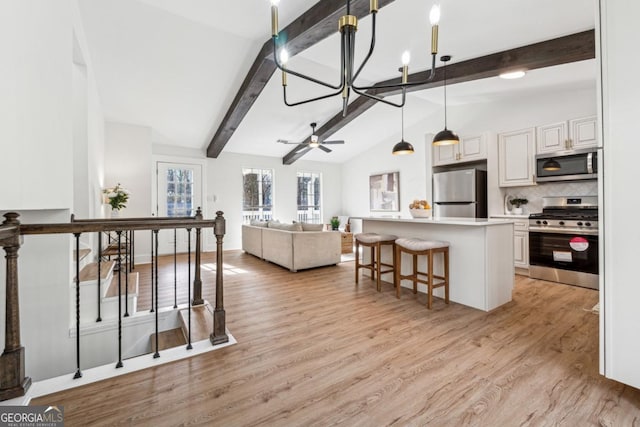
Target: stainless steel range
563 241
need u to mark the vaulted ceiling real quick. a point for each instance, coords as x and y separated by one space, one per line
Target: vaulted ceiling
176 65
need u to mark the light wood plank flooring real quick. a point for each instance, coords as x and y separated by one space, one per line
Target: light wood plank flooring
314 350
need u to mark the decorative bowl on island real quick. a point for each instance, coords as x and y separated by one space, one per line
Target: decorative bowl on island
420 213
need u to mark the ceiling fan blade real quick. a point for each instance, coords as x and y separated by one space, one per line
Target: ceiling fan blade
333 142
325 149
284 141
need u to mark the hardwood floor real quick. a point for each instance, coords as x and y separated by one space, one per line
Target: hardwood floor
314 349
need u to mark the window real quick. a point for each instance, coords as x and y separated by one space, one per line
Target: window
257 198
180 192
309 197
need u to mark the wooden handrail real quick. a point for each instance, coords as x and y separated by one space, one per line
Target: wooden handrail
88 226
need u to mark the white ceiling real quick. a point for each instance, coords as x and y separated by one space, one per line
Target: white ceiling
175 65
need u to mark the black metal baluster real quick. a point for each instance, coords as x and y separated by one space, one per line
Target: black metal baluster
151 311
119 261
156 284
78 373
99 319
189 346
126 274
175 268
132 250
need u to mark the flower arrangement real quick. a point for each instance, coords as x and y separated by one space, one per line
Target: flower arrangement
517 202
117 197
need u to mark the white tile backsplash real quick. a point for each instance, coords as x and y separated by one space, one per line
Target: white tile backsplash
535 193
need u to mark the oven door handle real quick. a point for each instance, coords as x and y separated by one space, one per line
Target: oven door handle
553 230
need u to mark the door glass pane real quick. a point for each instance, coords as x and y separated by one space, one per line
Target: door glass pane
179 192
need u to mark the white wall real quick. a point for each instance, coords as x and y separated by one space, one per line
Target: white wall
37 165
621 320
35 106
127 161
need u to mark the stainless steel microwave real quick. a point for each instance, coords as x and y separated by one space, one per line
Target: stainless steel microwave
567 165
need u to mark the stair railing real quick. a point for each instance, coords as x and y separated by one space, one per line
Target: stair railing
13 381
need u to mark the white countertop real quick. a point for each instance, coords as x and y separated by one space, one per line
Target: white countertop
522 216
474 222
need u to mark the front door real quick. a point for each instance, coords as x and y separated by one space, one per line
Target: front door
179 193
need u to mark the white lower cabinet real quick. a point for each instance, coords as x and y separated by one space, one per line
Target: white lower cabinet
521 243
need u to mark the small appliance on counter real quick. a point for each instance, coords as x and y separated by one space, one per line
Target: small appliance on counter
563 241
460 194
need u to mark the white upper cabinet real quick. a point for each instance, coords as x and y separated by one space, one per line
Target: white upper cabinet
571 135
552 138
583 132
468 150
516 158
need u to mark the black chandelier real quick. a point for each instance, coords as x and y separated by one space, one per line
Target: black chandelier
348 25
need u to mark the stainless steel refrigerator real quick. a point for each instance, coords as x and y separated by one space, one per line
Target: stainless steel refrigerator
460 194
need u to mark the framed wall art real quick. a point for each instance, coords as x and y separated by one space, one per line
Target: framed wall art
384 192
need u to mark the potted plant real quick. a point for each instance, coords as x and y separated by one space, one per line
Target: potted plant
117 197
517 203
335 223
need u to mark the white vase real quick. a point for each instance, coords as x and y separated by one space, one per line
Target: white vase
517 211
115 213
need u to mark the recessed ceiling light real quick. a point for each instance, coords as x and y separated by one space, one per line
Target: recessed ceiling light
512 75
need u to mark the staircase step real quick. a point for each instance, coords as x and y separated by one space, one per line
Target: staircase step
201 322
168 339
90 271
112 249
112 292
83 254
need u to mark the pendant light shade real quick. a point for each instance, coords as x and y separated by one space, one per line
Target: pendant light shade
445 136
402 147
551 165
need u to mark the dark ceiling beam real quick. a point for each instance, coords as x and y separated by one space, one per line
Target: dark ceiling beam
313 26
562 50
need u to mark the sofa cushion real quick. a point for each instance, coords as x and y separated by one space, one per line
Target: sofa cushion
286 227
258 223
311 227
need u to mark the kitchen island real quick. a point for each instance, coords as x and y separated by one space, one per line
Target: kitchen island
481 269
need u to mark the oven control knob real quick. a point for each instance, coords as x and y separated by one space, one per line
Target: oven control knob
588 224
561 223
579 224
544 222
538 222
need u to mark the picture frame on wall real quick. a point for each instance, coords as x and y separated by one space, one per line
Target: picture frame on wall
384 192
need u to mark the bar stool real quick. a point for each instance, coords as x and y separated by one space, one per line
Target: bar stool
374 242
428 248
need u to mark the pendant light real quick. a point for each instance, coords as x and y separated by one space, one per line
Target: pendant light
445 137
551 165
402 147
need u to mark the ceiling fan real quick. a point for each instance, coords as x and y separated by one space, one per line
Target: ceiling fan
312 142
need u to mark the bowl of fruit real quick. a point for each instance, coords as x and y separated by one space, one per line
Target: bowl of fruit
420 209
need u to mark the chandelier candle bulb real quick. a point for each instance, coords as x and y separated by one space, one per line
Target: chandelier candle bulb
406 58
434 18
274 18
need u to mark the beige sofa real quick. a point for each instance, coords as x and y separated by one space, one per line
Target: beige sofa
295 250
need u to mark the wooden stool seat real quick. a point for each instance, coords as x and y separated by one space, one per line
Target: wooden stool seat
420 247
375 242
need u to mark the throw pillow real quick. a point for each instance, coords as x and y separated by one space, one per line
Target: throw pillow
258 223
312 227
